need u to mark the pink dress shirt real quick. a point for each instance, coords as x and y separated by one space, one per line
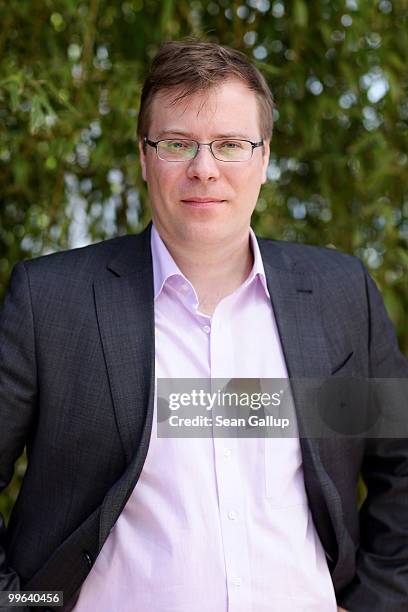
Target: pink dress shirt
214 524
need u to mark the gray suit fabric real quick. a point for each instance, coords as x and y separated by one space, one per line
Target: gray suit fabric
77 386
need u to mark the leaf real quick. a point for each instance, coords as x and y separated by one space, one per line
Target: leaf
166 15
403 256
393 304
14 95
37 117
396 61
268 68
61 99
395 85
300 13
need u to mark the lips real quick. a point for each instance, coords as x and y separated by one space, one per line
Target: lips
202 201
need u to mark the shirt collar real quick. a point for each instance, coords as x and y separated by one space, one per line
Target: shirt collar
258 267
164 266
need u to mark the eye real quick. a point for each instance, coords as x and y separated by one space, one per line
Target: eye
230 145
177 145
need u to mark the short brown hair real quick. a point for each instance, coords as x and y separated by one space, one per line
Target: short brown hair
197 66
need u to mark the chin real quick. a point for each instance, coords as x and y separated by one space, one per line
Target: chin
207 233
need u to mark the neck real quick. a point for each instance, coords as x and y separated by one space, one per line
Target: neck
215 270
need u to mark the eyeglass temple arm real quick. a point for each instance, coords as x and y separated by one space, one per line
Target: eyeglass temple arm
150 142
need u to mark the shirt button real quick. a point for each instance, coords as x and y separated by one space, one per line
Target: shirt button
236 581
232 515
227 452
207 329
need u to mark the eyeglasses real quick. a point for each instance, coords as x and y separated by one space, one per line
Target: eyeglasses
180 150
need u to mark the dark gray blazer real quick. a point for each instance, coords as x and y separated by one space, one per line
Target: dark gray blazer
76 388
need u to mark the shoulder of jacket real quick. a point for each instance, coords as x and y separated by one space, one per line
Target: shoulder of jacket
82 260
311 258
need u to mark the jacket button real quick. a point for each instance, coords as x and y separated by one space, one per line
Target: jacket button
88 558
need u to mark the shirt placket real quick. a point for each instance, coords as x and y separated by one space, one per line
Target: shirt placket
229 479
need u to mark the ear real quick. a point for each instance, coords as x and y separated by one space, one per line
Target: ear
142 154
265 161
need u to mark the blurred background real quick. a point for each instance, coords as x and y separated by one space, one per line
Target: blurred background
70 78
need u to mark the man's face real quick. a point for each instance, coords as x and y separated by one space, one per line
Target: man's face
230 189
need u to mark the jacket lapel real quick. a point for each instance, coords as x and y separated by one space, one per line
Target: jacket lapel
294 296
124 306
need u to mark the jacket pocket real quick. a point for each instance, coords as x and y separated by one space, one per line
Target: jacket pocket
343 365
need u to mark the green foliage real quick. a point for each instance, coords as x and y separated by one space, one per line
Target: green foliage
70 80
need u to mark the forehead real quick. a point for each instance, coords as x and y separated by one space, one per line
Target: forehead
227 108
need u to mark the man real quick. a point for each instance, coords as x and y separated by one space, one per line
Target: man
119 518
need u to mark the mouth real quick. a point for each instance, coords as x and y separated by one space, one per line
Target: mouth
202 202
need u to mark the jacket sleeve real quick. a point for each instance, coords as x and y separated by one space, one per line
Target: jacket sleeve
18 392
381 580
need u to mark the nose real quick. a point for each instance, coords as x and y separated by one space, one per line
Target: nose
204 166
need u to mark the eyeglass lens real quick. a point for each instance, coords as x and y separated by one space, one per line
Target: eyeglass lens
223 150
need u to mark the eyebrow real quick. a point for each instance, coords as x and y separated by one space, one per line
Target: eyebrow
176 132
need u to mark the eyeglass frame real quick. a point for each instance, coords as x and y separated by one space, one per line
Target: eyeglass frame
154 143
